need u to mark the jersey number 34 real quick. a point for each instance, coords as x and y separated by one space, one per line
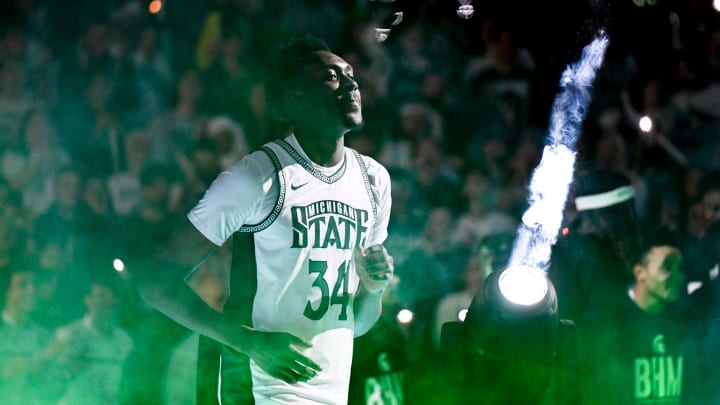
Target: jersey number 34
339 295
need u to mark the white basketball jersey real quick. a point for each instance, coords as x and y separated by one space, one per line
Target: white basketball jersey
306 279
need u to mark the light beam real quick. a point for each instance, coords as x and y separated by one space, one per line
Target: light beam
550 181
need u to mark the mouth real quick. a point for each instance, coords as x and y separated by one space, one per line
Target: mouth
349 104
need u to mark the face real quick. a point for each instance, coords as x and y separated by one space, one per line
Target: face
68 188
475 270
100 301
661 273
328 92
439 221
711 206
21 293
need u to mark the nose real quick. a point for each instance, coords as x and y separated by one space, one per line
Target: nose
349 84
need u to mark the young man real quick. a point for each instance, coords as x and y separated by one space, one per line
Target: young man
651 352
308 218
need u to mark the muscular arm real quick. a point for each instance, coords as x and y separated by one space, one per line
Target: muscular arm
162 285
375 268
374 264
161 282
368 307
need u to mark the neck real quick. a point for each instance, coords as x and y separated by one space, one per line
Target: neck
323 150
646 301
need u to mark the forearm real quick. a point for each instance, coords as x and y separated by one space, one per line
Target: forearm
367 309
180 303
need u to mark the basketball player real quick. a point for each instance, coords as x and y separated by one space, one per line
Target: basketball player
308 218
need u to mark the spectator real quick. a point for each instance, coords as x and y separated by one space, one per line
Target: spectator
67 219
58 288
487 211
229 138
30 166
124 186
492 254
155 76
92 350
176 130
646 328
24 357
228 80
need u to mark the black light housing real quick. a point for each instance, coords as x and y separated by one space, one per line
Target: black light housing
512 347
516 316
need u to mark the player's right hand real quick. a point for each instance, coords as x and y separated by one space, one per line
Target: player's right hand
279 354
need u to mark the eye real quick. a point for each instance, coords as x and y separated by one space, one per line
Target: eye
331 75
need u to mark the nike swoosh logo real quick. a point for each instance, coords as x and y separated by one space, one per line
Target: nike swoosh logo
295 187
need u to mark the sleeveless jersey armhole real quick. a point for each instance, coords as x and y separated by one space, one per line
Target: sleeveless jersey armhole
280 198
363 169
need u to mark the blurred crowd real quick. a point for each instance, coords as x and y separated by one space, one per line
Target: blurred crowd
115 119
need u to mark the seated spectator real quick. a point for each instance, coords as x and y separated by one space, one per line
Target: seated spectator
493 254
29 167
24 361
92 350
488 210
229 139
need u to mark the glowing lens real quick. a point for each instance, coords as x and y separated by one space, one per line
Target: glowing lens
523 285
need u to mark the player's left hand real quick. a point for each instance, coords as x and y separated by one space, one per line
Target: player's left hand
374 266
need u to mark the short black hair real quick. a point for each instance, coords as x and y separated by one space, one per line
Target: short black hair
282 69
499 247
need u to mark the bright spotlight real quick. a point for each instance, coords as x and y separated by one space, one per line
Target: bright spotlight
523 285
716 5
118 265
516 316
645 124
462 314
514 349
405 316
